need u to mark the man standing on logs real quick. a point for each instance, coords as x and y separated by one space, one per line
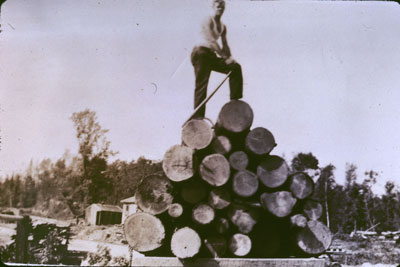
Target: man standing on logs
209 55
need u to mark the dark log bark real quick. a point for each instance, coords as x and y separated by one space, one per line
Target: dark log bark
215 169
312 209
193 191
260 141
154 194
273 171
178 163
301 185
219 198
221 145
298 220
235 116
175 210
197 134
240 245
315 238
244 218
239 160
203 214
185 243
216 245
221 225
279 203
245 183
144 232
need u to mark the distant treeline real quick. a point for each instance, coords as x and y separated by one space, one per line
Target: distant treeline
65 187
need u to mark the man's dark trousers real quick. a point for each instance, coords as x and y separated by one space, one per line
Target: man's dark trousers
204 61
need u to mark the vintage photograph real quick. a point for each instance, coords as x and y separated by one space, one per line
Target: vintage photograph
200 133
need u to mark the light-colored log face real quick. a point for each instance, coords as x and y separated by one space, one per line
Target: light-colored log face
144 232
197 134
298 220
175 210
315 238
215 169
279 203
260 141
219 198
239 160
193 191
273 171
240 245
301 185
221 145
243 218
154 194
203 214
245 183
178 163
185 243
235 116
312 209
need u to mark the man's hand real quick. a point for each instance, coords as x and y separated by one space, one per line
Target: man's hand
230 60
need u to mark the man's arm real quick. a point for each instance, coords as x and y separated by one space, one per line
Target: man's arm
207 34
226 49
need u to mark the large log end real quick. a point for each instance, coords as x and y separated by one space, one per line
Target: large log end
273 171
235 116
178 163
197 134
185 243
315 238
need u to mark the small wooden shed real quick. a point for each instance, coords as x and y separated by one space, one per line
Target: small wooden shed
97 214
129 207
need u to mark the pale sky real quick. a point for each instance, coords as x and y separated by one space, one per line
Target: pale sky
323 77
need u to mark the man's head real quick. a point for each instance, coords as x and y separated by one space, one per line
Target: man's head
218 6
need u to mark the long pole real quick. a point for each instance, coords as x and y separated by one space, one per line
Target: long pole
208 98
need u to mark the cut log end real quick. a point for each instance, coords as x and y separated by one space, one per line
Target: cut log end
243 218
240 245
175 210
154 194
315 238
298 220
203 214
178 163
215 169
279 203
273 171
197 134
235 116
245 183
185 243
144 232
301 185
239 160
219 198
221 145
312 209
260 141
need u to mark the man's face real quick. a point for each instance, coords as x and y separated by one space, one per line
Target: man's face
219 7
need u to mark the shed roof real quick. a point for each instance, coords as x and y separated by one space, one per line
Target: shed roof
129 200
108 207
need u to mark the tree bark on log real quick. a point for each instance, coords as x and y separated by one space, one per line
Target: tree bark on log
279 203
193 191
215 169
301 185
144 232
239 160
185 243
175 210
154 194
273 171
178 163
203 214
243 218
222 145
315 238
312 209
219 198
240 245
260 141
235 116
245 183
197 134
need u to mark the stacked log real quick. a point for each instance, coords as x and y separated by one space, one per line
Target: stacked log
223 194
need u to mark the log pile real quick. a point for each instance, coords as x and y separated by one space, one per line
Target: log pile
223 194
